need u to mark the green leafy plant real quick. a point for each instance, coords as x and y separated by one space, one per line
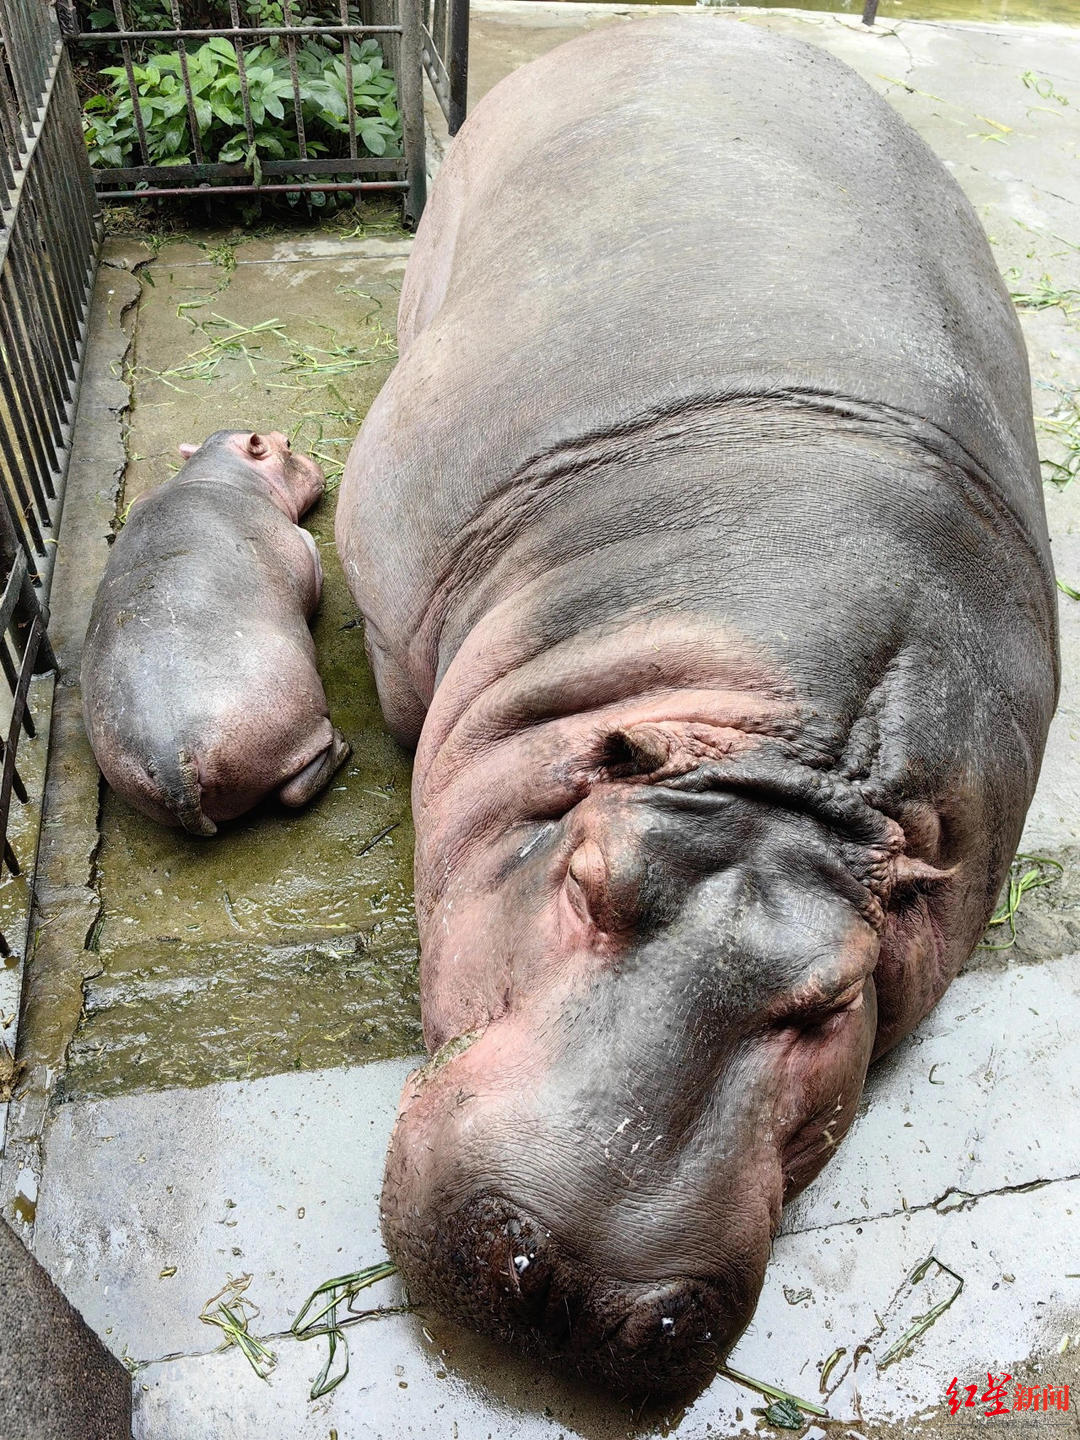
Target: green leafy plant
213 72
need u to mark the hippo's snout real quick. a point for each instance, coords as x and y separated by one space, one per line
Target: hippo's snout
496 1269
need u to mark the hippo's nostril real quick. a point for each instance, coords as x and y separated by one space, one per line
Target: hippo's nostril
492 1266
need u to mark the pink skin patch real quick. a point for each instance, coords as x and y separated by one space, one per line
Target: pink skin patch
294 481
498 760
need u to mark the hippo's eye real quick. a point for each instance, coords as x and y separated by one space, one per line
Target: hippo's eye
811 1013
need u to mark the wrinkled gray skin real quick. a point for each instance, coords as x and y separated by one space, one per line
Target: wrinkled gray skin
200 692
700 540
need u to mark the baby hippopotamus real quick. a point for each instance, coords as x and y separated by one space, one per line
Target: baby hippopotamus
200 691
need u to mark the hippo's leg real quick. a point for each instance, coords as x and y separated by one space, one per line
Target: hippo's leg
402 708
317 773
316 559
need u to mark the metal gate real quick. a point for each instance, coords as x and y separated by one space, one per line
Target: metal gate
446 56
289 97
48 250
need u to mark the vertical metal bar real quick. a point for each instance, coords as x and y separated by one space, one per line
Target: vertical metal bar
9 128
298 107
24 399
133 89
78 180
77 169
869 14
40 290
17 502
193 119
54 239
34 356
350 88
457 64
28 607
241 72
411 104
15 56
437 25
18 711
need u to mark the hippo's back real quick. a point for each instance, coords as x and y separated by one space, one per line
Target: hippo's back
661 216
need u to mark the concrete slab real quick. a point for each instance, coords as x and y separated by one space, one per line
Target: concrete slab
194 945
277 1177
150 1202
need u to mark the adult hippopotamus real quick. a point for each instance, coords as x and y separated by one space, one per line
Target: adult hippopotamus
701 547
200 692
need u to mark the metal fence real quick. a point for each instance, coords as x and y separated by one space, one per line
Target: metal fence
48 251
306 71
446 56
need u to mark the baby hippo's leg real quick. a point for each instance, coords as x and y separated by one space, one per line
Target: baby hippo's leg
318 772
316 559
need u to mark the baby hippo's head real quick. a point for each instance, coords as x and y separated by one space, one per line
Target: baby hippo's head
294 481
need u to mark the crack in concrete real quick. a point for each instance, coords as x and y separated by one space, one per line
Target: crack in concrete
1035 190
968 1201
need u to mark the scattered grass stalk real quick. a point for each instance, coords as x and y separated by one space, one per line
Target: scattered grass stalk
772 1392
319 1316
922 1323
1040 872
829 1366
231 1311
1045 294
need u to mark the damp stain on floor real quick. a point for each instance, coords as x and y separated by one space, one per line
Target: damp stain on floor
288 941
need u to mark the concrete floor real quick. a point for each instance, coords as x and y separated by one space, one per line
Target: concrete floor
215 1035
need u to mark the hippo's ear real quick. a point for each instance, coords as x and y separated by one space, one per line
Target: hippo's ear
636 750
187 449
257 447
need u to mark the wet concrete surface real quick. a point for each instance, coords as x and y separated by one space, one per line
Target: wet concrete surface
278 1178
198 1017
232 958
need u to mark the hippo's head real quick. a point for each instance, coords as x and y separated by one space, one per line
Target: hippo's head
675 1036
294 482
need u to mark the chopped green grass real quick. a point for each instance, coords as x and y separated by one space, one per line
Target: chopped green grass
1043 87
320 1315
773 1393
829 1366
1045 294
923 1322
1026 873
230 1311
1063 425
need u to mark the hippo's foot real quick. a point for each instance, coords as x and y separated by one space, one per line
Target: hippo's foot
402 708
317 773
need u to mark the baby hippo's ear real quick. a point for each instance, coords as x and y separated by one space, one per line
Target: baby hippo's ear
187 449
257 447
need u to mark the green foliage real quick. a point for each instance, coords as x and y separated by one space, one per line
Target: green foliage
109 118
213 14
